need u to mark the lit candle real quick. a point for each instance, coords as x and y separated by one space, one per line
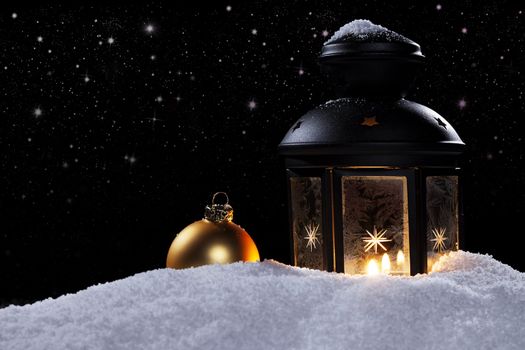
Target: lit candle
385 263
400 259
372 267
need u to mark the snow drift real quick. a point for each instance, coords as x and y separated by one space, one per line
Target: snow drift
474 302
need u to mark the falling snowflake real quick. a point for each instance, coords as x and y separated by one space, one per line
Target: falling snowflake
439 239
311 236
375 239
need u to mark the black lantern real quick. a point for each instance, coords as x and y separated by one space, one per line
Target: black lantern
373 179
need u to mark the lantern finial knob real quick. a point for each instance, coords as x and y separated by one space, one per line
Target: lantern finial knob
365 59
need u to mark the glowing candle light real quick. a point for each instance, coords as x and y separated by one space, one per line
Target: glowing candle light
385 263
400 259
372 267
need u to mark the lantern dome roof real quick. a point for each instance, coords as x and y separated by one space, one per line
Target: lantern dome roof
371 69
371 126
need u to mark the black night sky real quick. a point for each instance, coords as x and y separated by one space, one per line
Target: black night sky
119 123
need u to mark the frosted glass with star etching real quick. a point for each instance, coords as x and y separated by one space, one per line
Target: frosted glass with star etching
375 224
306 204
442 217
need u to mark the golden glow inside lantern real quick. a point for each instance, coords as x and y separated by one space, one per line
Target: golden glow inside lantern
373 179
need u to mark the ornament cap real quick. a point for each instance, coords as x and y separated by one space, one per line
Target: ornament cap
216 212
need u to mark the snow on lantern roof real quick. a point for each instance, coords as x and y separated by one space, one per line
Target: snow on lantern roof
364 39
361 30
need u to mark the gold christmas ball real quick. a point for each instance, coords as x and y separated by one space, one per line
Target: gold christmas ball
212 240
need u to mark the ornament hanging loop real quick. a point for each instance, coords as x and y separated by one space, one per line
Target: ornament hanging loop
219 212
218 193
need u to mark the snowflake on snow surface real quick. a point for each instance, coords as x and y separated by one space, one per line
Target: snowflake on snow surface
364 30
472 302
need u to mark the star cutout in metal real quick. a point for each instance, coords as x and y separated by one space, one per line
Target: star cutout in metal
311 235
375 239
369 121
297 125
441 122
439 239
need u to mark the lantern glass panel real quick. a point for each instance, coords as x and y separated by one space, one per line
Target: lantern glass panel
442 216
375 224
306 204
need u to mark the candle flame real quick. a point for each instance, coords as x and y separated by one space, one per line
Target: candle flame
385 263
372 268
400 258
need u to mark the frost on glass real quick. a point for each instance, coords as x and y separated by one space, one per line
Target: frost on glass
442 216
306 202
375 224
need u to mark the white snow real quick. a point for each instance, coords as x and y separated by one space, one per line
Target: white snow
364 30
475 302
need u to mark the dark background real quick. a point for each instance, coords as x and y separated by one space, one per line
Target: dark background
134 136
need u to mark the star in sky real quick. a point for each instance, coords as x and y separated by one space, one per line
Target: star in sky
375 239
311 235
252 105
111 41
462 103
130 159
37 112
149 28
439 239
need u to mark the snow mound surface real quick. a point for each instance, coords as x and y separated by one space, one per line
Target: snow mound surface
364 30
473 302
